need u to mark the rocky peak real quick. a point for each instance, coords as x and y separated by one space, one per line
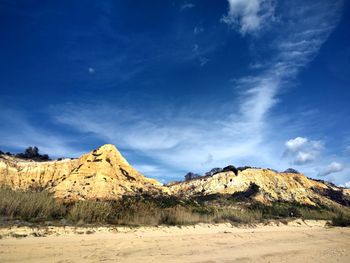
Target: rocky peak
109 153
101 174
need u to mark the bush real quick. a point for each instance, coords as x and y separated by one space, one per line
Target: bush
190 176
32 153
341 220
213 171
291 170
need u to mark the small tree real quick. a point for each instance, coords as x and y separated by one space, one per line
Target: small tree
190 176
291 170
31 152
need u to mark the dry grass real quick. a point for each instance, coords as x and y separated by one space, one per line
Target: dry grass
90 212
238 215
28 205
134 211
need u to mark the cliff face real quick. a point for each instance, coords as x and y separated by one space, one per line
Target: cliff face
265 186
102 173
105 174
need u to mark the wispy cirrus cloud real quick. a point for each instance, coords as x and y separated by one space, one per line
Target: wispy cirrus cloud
197 30
182 140
179 140
18 132
249 16
295 45
245 134
333 167
187 5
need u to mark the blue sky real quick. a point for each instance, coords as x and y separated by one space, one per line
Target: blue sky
180 86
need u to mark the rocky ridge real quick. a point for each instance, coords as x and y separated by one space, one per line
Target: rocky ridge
105 174
101 174
264 185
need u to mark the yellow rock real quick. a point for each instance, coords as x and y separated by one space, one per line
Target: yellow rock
100 174
273 186
105 174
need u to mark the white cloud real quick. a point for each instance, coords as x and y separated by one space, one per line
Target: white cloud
187 6
333 167
304 157
302 151
242 135
203 61
152 171
197 30
249 16
347 184
179 141
295 46
239 137
91 70
296 144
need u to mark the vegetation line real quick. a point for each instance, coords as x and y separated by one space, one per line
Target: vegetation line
40 207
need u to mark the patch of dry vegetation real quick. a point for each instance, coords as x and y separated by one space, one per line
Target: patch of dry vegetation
28 205
146 210
342 220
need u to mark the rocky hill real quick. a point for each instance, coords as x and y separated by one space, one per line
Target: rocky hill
100 174
105 174
264 185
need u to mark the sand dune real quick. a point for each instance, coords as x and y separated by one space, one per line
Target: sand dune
298 241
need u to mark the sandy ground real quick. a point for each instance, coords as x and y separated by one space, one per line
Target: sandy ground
298 241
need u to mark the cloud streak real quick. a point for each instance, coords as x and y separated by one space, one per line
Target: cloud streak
240 136
186 5
179 140
294 47
18 132
333 167
249 16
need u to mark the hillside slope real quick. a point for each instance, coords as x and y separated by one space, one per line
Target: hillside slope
100 174
264 185
105 174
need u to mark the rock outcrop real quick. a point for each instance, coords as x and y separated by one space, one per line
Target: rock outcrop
105 174
264 185
100 174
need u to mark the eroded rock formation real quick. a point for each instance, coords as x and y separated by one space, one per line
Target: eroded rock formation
105 174
271 186
100 174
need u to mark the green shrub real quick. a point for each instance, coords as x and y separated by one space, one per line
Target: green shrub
341 220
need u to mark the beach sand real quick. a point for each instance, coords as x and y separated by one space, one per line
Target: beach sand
299 241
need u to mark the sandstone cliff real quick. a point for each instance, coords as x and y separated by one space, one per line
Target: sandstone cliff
100 174
264 185
105 174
